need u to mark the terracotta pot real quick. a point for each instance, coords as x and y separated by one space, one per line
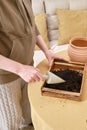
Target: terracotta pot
77 50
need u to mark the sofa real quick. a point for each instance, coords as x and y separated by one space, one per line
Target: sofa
57 31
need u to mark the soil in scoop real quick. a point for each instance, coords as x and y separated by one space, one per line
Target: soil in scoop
73 80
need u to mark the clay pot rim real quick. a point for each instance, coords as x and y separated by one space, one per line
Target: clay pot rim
78 38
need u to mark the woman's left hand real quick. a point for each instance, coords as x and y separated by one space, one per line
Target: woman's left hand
51 56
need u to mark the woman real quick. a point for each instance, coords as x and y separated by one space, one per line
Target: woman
18 36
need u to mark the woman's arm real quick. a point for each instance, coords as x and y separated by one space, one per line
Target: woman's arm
41 43
26 72
48 53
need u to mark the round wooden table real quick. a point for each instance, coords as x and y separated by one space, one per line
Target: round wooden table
49 113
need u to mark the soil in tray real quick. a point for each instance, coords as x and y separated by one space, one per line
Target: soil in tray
73 80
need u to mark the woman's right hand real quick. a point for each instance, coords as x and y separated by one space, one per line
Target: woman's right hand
30 73
26 72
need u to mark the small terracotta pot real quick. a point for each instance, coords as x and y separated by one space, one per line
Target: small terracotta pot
77 50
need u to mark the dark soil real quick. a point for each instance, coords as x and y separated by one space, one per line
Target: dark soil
73 80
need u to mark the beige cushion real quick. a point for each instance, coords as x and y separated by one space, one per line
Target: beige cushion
52 22
53 35
37 6
72 23
78 4
40 20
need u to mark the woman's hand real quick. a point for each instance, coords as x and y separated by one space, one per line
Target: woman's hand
30 73
26 72
51 56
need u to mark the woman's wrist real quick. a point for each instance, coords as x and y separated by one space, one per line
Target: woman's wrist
47 51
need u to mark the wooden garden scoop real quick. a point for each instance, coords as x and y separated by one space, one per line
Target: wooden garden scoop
52 78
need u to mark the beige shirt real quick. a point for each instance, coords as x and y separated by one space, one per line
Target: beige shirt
17 34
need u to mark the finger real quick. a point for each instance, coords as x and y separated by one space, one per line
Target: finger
40 76
30 80
37 76
37 70
33 79
50 62
61 59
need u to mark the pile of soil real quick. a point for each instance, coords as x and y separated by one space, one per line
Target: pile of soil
73 80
